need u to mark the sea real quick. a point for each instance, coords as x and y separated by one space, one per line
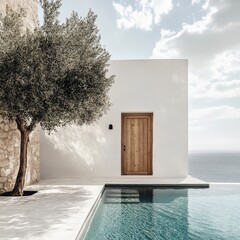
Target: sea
215 166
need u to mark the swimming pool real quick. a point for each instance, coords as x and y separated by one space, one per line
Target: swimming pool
151 213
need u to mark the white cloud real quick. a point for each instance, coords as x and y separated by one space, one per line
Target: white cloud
227 89
163 48
195 1
217 90
212 45
226 63
202 41
133 18
213 113
143 15
222 82
160 8
214 128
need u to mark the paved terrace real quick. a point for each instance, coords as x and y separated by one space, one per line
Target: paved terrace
61 206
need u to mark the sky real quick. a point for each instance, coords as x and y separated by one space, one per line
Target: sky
206 32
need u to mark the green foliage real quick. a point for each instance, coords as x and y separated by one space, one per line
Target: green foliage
56 74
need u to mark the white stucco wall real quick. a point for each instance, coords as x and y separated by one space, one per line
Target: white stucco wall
158 86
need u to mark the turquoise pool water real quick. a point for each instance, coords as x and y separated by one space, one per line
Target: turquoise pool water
165 213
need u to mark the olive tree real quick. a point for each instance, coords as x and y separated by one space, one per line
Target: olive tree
52 76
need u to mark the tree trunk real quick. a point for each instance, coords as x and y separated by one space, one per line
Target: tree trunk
20 181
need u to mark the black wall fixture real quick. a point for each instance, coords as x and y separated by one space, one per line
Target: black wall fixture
110 127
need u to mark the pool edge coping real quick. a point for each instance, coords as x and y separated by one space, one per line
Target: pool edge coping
163 185
86 223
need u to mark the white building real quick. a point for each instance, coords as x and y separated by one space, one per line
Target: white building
144 133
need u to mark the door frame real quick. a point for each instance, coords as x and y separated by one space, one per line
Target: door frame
150 163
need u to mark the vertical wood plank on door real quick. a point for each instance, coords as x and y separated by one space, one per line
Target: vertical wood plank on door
145 146
128 146
132 145
141 145
136 141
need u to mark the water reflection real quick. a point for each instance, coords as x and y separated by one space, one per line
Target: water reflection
143 195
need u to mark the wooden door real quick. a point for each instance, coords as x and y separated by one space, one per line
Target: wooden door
137 143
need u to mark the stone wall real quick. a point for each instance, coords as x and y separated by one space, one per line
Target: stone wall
9 155
9 134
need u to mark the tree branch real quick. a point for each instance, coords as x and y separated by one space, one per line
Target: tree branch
19 124
31 127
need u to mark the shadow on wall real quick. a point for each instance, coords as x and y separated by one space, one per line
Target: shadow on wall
71 151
